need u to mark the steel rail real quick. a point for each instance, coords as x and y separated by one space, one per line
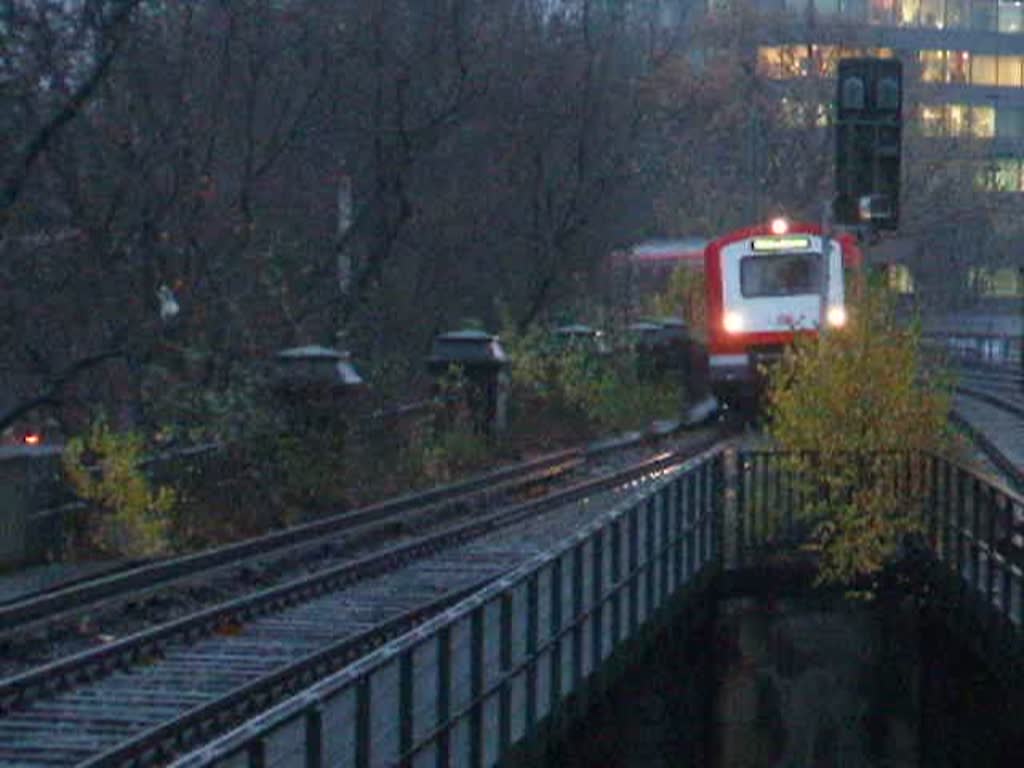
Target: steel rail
139 581
198 725
994 400
50 679
1014 474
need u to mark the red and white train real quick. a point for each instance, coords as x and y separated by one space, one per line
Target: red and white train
765 285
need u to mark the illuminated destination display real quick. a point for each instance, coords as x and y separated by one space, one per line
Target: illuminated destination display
781 243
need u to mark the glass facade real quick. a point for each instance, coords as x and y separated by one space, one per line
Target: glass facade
982 107
1001 281
958 121
963 67
988 15
782 62
1001 174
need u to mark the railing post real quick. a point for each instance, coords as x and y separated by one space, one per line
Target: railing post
649 558
363 734
976 504
634 555
679 535
257 753
991 509
597 595
616 576
958 521
692 517
555 688
444 683
733 502
577 610
405 704
532 621
665 548
476 687
947 513
932 504
505 654
1006 521
315 736
718 511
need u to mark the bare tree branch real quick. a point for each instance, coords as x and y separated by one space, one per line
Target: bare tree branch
44 135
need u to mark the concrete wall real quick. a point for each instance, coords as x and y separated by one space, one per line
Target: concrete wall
804 682
32 496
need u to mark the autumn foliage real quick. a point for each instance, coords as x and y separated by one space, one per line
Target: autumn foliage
850 410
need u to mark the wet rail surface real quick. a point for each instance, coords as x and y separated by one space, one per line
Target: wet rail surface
104 706
298 542
989 406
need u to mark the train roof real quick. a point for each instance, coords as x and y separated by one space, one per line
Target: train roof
682 249
852 253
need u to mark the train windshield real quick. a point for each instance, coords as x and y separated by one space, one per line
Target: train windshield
780 274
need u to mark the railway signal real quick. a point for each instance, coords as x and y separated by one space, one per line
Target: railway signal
869 130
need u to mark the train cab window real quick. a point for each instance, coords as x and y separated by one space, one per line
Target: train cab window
780 274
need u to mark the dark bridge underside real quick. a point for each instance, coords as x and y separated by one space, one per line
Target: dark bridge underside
960 666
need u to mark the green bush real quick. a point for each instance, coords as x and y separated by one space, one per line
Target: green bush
573 380
847 407
102 466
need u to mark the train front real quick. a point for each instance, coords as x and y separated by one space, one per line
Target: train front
765 285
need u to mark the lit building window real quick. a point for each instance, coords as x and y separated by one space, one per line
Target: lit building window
769 62
791 112
957 120
932 120
900 279
826 59
881 11
984 70
1010 71
1011 16
796 113
1002 282
795 60
958 13
958 66
784 61
931 14
1001 175
909 10
821 114
983 122
933 66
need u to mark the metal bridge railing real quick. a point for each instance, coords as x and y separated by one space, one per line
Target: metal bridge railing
772 496
995 349
972 526
975 527
468 684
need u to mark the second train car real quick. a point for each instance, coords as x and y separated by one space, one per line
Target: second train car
765 285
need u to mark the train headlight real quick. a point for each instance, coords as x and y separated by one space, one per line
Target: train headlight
779 226
732 322
836 316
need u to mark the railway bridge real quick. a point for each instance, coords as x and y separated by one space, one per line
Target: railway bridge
494 676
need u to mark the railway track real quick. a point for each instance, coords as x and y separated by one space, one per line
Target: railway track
143 698
989 407
44 626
